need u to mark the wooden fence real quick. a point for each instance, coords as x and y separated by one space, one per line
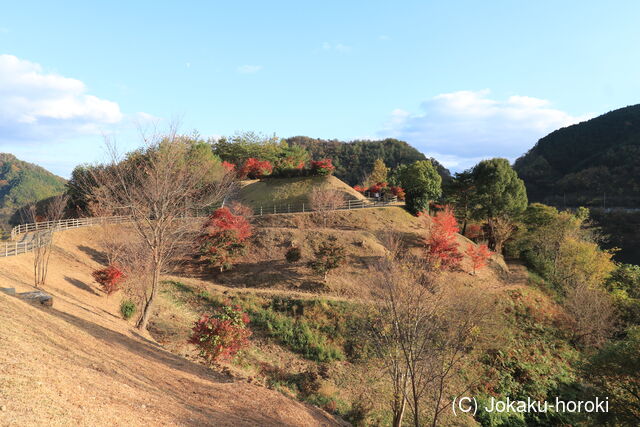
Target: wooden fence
39 234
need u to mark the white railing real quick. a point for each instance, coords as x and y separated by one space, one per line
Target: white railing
65 224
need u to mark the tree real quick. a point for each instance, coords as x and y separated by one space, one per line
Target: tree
500 195
378 173
479 255
223 237
221 335
460 193
592 315
253 168
329 256
441 243
54 210
421 183
324 202
423 334
615 372
322 167
156 185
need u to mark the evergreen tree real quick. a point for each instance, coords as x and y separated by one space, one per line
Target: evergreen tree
422 183
501 197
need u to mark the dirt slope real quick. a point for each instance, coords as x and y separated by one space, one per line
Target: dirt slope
79 363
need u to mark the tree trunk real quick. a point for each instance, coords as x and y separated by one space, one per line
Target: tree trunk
146 312
398 411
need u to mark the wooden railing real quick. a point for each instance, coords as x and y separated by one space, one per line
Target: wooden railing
39 234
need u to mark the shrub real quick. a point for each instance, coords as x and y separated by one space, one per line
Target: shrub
109 278
254 168
322 167
221 335
398 192
127 309
330 255
223 237
442 247
359 189
479 256
293 255
228 166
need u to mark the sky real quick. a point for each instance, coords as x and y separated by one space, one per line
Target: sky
459 80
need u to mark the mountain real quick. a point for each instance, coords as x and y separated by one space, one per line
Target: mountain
22 183
354 160
593 163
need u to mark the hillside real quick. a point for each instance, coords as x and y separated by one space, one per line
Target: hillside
289 191
585 163
354 160
308 341
22 183
79 363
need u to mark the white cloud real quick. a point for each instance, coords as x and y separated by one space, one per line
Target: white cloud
337 47
461 128
249 69
35 105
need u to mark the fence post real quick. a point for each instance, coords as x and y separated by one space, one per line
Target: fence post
260 210
274 209
303 208
6 249
349 204
288 207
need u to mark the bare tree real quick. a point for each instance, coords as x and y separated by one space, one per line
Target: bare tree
423 334
324 201
592 315
159 187
54 209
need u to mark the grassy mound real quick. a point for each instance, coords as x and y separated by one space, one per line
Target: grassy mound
294 191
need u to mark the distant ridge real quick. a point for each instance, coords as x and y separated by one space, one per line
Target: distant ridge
22 183
593 163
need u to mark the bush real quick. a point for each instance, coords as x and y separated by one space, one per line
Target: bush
328 256
223 237
109 278
221 335
127 309
293 255
254 168
322 167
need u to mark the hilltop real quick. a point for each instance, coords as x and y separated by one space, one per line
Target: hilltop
289 191
584 163
22 183
353 160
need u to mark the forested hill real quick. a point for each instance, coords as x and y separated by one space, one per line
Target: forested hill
22 183
587 163
353 160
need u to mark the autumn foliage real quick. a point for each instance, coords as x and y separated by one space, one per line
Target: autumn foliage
322 167
109 278
221 335
478 255
442 247
223 237
254 168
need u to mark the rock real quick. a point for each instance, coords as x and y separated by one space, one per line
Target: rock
9 291
3 408
37 297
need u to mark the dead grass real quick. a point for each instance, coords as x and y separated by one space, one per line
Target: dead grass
79 363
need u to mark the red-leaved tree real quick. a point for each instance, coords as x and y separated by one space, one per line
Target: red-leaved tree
221 335
228 166
398 192
223 237
253 168
109 278
442 245
359 188
479 256
322 167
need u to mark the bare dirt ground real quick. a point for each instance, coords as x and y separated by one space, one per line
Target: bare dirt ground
78 363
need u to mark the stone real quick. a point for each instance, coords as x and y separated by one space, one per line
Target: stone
37 297
9 291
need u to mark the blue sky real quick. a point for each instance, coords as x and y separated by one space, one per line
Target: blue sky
460 80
